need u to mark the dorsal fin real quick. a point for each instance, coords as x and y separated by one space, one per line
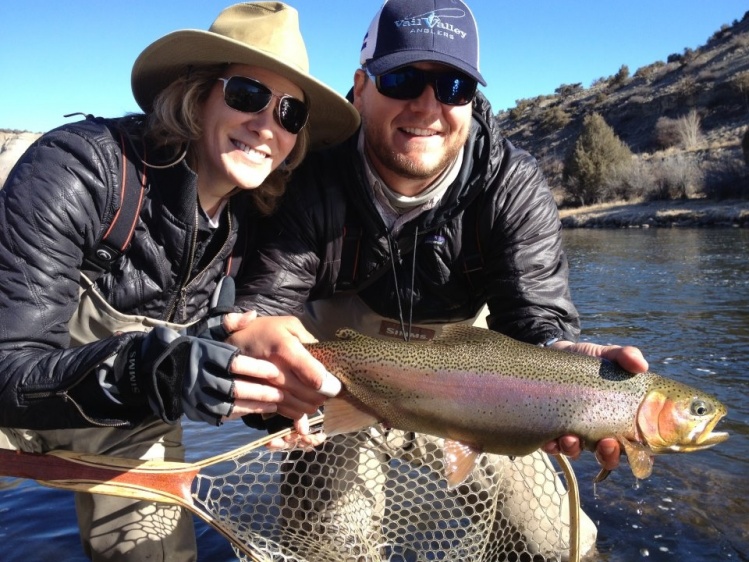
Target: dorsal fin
349 334
454 334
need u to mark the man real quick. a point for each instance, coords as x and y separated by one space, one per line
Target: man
428 215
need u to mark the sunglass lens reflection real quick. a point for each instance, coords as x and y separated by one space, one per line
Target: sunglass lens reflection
250 96
409 83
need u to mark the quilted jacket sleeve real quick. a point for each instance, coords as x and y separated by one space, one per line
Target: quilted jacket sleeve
527 287
51 211
282 274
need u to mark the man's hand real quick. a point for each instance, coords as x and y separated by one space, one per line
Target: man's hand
608 450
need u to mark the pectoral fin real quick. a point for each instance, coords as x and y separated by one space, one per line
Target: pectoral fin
344 414
459 461
640 458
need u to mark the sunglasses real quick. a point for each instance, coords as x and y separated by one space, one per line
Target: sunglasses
250 96
407 83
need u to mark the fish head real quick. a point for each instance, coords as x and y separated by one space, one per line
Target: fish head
676 418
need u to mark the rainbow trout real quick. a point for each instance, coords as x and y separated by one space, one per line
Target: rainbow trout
484 392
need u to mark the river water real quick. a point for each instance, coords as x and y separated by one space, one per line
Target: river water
682 296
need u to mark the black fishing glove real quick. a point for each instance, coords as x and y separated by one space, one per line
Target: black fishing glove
178 374
222 302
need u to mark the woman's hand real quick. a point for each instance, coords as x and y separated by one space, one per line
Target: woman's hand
302 380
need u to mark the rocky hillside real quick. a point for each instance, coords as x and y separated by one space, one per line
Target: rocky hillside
12 145
713 80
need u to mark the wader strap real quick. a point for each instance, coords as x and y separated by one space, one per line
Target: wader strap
120 232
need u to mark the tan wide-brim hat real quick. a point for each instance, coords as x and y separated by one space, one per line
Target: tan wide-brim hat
264 34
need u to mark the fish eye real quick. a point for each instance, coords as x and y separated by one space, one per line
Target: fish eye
700 408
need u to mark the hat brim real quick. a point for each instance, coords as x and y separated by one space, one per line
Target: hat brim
332 118
395 60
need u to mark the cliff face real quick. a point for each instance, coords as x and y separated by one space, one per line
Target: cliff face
12 145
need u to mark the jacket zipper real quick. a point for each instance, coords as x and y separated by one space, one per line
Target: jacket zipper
67 398
186 281
186 276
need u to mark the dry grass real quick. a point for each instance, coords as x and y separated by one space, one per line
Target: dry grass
690 212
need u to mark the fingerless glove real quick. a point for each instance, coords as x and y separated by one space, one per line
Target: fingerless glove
178 374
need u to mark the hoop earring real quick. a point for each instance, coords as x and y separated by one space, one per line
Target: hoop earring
170 164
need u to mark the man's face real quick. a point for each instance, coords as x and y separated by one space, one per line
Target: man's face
410 142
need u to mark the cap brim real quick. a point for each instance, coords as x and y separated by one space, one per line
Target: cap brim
332 118
395 60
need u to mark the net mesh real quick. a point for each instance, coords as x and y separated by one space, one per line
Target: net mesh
381 496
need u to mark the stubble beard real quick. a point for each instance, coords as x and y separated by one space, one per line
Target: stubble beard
403 165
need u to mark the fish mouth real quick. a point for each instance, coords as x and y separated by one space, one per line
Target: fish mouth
704 442
712 438
707 438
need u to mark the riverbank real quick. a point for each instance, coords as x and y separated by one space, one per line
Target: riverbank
690 213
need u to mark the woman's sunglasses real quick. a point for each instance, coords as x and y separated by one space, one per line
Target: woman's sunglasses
407 83
250 96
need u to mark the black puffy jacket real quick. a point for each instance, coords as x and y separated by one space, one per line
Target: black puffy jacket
495 238
54 207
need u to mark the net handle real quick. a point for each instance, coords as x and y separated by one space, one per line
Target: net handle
151 480
573 492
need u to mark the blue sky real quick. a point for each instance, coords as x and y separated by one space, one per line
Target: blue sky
63 57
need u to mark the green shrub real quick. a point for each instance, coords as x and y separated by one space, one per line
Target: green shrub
649 71
520 106
620 78
566 90
554 118
598 153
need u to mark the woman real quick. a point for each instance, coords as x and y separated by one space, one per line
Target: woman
104 356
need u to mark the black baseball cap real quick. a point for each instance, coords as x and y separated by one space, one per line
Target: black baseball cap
408 31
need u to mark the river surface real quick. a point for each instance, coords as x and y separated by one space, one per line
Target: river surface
682 296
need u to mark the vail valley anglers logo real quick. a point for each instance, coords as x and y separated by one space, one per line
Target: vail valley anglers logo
432 22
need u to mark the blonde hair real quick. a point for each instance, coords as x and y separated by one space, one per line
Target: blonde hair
175 121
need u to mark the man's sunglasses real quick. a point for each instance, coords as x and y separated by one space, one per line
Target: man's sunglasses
406 83
250 96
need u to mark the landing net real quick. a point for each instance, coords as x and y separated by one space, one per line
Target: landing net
379 495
